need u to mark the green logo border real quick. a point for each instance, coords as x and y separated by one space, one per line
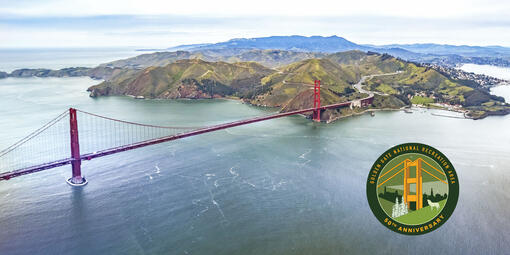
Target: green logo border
453 188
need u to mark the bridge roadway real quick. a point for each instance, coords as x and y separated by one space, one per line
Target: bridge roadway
89 156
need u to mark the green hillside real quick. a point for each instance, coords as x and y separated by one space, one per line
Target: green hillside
361 63
423 215
296 81
272 58
186 79
186 75
424 85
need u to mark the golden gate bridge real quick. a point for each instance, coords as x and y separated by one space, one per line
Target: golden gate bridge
65 140
417 180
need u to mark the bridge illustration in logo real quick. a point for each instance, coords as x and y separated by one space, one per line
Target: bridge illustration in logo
415 180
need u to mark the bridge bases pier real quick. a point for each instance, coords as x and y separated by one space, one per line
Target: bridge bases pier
77 181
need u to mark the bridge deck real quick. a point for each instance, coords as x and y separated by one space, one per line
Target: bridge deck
89 156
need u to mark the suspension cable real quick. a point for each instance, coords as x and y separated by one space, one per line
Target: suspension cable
134 123
35 133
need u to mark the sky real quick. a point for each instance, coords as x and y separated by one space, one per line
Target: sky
166 23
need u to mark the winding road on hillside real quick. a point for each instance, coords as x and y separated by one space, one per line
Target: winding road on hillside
359 86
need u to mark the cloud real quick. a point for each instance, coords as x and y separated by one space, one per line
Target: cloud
154 23
223 8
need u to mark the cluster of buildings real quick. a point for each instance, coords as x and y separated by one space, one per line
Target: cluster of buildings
450 107
481 79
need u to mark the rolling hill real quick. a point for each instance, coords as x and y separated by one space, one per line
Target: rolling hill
289 87
295 79
189 78
366 63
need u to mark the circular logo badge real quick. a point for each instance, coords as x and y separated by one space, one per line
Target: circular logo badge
412 189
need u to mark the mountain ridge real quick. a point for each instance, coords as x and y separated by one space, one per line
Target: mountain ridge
442 54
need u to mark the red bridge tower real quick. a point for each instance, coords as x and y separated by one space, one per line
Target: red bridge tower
317 101
77 179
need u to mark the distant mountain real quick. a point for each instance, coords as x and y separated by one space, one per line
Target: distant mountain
155 59
94 73
186 47
269 58
449 55
445 49
291 43
276 51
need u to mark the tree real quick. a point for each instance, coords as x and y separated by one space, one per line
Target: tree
403 206
396 209
399 209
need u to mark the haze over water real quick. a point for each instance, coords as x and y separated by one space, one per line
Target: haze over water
494 71
283 186
12 59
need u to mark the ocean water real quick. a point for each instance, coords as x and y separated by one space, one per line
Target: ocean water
503 91
12 59
284 186
494 71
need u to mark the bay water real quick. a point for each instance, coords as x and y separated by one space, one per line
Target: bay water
284 186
